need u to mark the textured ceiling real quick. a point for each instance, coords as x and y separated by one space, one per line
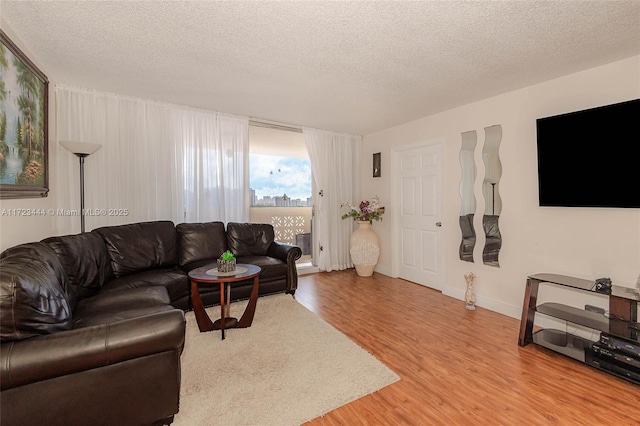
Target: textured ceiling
348 66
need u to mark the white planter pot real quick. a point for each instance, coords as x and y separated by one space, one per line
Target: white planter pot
364 247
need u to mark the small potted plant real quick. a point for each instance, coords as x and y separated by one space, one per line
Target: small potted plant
227 262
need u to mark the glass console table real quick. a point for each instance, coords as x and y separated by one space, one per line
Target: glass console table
621 324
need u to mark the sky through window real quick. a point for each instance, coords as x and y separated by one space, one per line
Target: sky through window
274 176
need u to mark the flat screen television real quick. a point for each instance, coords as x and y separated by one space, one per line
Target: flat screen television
590 158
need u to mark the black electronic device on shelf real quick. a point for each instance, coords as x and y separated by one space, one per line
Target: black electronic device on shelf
617 348
618 344
606 352
618 369
603 285
615 355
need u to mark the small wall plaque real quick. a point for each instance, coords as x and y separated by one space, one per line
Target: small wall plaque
376 164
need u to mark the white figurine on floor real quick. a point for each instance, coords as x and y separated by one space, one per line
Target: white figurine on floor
470 296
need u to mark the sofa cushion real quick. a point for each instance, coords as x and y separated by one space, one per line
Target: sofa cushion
112 306
41 251
33 300
249 239
199 242
131 298
140 246
272 268
85 259
174 280
84 352
117 315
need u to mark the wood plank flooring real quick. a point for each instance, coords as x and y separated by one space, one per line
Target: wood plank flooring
457 366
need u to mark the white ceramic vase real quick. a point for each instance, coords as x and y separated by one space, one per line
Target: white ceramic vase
364 247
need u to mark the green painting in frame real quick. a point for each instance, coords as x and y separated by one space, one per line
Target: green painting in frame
24 92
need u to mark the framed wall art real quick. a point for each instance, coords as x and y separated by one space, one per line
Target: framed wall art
24 106
376 164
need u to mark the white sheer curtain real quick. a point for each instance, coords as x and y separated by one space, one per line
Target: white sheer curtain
216 169
132 177
335 164
151 154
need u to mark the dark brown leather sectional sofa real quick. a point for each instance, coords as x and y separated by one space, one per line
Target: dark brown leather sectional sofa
92 325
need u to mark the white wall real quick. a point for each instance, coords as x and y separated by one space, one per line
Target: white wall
21 229
582 242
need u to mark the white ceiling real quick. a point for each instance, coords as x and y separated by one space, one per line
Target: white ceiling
347 66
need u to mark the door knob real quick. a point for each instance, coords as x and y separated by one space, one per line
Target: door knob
438 224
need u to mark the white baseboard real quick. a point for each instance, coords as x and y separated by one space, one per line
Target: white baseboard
308 270
492 305
383 270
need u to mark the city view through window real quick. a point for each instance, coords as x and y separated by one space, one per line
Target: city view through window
281 190
279 181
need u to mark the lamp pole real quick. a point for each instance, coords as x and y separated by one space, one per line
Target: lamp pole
81 158
81 150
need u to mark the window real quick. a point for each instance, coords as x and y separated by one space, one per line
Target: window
280 181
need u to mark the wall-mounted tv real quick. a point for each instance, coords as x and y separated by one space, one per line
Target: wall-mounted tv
590 158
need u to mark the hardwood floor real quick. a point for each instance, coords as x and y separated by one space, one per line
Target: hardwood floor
457 366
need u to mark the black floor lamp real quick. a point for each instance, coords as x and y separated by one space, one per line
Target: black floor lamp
81 150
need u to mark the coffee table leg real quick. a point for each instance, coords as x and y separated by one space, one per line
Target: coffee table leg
250 310
222 320
203 320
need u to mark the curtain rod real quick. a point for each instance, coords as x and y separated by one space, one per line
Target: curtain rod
288 127
271 125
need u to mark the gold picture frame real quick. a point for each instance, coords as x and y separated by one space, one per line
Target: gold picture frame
24 125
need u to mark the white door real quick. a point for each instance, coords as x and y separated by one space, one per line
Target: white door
418 228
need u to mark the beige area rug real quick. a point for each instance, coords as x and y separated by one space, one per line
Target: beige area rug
289 367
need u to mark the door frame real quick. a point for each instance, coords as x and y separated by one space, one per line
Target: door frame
395 200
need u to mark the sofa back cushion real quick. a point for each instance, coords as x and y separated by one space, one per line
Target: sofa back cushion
140 246
249 239
200 241
33 298
86 261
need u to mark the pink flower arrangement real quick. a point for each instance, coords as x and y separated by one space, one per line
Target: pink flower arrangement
366 211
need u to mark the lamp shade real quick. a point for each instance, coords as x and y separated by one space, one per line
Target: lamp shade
81 148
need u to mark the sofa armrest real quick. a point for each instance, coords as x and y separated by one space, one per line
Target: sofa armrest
287 253
67 352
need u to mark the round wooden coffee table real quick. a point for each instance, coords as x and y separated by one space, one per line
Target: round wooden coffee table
209 275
